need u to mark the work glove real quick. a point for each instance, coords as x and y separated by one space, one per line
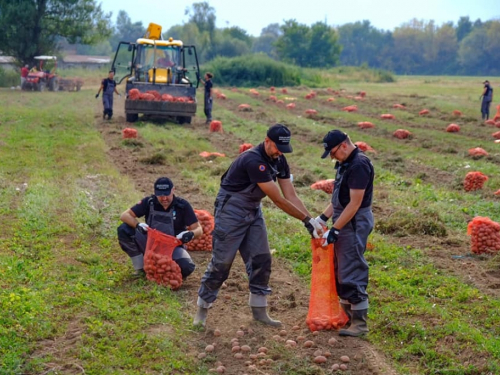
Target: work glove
142 227
331 236
322 220
313 227
96 96
185 236
120 95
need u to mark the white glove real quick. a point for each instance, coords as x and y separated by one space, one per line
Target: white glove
185 236
321 221
313 227
142 227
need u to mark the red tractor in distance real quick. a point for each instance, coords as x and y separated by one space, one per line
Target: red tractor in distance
44 76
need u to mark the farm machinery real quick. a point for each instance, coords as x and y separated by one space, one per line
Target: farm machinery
161 76
44 76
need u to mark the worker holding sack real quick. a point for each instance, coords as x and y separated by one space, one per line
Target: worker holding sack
165 212
351 213
239 224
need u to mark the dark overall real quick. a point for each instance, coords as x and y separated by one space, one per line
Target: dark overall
107 98
351 268
485 104
239 225
208 106
134 242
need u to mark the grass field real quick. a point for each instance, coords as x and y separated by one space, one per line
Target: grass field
69 305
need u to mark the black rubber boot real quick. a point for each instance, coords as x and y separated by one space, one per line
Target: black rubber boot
260 314
347 309
358 325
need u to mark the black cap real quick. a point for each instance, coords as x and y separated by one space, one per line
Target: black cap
332 140
163 186
280 135
486 81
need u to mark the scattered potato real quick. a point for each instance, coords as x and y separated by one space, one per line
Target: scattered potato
295 328
320 359
209 348
245 348
240 333
235 349
283 332
308 344
202 355
221 369
345 359
335 366
291 343
238 356
333 341
343 366
217 333
318 353
262 349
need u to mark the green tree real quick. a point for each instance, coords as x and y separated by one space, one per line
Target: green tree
265 43
203 16
31 27
126 30
464 27
315 46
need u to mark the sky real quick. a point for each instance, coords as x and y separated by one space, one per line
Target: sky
254 15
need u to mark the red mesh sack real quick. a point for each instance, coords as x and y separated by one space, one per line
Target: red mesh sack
497 192
324 312
398 106
423 112
216 127
497 115
311 112
453 128
474 181
280 101
325 185
273 98
387 116
129 133
363 146
206 154
284 91
272 89
366 125
245 146
497 124
490 122
134 94
158 263
477 152
244 108
362 94
290 106
485 235
457 113
496 135
401 134
350 108
203 243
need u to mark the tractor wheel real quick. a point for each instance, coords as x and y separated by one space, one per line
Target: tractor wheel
54 84
34 86
183 120
41 86
131 117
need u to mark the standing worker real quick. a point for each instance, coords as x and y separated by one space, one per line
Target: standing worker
24 74
108 87
487 99
239 224
208 96
352 217
165 212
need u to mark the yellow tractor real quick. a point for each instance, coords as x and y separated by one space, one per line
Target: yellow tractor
167 68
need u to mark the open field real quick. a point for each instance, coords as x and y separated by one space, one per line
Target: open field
70 306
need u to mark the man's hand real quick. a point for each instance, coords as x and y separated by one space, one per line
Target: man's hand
331 236
142 227
185 236
96 95
322 220
313 227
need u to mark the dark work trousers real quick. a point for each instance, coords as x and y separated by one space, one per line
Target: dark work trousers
107 99
134 242
351 268
208 108
239 225
485 109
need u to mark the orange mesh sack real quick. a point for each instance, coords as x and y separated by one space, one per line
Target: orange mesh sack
474 181
158 263
325 185
485 235
325 312
204 243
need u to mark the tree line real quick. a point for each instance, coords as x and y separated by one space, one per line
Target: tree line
416 47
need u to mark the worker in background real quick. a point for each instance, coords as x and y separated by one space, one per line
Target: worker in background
239 223
165 212
108 87
207 82
352 217
487 97
24 74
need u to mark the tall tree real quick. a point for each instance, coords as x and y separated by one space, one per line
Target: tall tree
203 16
266 41
31 27
464 27
126 30
324 49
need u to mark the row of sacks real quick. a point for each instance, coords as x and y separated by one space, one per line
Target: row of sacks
153 95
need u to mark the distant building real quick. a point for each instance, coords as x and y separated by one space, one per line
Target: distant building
84 61
7 62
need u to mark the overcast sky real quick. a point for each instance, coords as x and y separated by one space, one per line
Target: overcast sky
253 15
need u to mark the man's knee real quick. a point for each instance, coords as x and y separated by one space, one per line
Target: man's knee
125 231
187 266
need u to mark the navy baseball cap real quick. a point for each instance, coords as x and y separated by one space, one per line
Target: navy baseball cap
163 186
332 140
280 135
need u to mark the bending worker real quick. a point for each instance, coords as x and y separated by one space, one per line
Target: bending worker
351 213
239 224
165 212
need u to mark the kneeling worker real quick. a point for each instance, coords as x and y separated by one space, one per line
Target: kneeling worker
165 212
